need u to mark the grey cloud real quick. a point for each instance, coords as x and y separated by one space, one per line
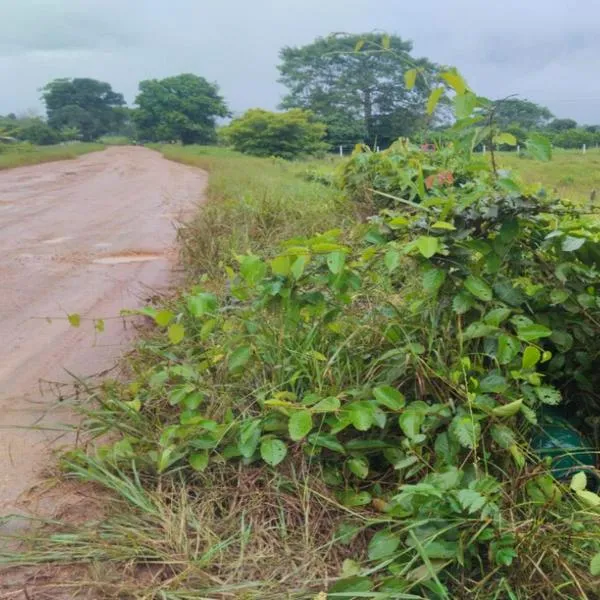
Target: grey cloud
545 50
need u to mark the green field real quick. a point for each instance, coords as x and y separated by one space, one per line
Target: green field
21 155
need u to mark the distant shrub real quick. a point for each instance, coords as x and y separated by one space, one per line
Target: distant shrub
287 135
38 132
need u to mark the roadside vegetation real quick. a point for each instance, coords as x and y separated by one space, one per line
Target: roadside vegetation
378 382
19 155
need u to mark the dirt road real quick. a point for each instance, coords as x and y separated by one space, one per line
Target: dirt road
89 236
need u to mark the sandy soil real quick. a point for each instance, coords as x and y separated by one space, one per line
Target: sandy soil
89 236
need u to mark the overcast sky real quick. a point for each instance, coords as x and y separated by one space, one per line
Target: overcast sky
545 50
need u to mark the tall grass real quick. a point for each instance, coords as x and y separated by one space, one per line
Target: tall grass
253 204
25 154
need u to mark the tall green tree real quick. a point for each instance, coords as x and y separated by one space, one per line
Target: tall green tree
184 107
287 134
521 113
87 104
355 85
562 124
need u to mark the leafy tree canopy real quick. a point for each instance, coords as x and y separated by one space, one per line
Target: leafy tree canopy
288 134
562 124
523 113
355 84
86 104
182 108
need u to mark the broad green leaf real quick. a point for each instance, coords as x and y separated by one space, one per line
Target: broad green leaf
326 441
479 288
471 500
386 41
433 280
281 265
99 325
578 481
531 357
382 544
392 260
507 293
433 99
176 333
389 397
548 395
410 78
411 421
359 45
74 319
199 461
571 243
509 185
427 245
299 265
361 415
249 437
163 317
455 81
595 565
466 430
497 316
464 105
508 410
444 225
329 404
462 303
273 451
539 147
336 261
252 269
192 401
503 436
239 358
506 138
533 332
477 330
355 498
359 466
200 304
300 424
493 384
589 498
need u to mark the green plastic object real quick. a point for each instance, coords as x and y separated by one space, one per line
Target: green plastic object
568 448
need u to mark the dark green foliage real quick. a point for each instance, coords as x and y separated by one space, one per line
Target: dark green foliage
88 105
288 134
355 85
562 124
522 113
182 108
38 132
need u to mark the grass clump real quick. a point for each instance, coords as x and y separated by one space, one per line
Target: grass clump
253 205
20 155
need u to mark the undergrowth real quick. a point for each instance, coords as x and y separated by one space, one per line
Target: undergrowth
20 155
358 408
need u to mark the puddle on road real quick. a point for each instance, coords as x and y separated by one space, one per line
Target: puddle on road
126 258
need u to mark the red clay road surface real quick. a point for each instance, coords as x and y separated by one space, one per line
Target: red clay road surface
88 236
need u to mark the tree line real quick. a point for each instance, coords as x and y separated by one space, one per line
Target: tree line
341 90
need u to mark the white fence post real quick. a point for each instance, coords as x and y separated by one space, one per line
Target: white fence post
377 148
583 149
341 150
483 151
518 149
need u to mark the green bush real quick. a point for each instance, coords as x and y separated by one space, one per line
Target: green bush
288 135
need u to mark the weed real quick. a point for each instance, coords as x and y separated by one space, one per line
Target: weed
26 154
